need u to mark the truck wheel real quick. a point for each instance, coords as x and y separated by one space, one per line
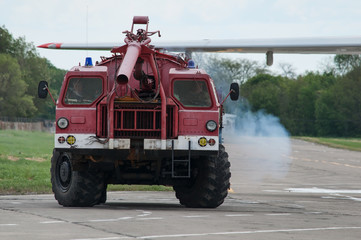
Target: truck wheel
210 186
74 188
103 198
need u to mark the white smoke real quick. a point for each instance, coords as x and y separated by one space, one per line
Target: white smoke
258 145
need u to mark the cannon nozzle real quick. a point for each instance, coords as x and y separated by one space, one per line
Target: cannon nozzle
129 61
122 79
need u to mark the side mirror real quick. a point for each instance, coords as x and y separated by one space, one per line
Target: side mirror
43 89
234 91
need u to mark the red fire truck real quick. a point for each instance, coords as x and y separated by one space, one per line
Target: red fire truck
140 116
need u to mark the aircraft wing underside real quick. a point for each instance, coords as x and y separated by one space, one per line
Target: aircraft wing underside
326 45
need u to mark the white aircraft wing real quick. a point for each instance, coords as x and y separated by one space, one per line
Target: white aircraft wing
326 45
329 45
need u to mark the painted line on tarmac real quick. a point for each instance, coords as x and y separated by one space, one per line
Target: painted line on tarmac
8 224
196 216
50 222
110 219
144 213
106 238
251 215
239 215
323 190
154 218
224 233
247 232
278 214
344 197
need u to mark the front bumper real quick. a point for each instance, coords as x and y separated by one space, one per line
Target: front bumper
89 141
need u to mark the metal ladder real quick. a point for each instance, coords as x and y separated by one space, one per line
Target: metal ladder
181 168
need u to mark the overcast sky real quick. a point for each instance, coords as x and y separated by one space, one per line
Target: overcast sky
41 21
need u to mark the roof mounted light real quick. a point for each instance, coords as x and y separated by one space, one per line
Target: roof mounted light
88 62
191 64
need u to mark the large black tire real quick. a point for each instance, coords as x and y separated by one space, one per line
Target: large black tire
75 188
103 198
210 186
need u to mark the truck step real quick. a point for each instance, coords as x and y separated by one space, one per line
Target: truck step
181 168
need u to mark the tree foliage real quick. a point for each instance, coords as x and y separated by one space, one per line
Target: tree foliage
13 100
21 68
338 110
266 92
346 63
312 104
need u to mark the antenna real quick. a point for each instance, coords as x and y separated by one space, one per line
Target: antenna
86 29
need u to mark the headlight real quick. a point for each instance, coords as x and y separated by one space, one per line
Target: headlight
211 125
63 123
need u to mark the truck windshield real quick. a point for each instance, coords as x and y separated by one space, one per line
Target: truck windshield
83 90
192 93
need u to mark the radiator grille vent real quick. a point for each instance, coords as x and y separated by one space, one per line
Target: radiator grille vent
136 121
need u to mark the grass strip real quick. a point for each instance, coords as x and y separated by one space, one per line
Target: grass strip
25 164
353 144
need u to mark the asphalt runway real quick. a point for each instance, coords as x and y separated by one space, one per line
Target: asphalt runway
280 190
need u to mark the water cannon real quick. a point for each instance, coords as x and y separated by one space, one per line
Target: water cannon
134 42
129 61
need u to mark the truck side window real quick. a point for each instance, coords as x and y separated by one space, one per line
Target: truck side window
83 90
192 93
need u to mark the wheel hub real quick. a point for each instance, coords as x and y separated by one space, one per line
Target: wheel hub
65 172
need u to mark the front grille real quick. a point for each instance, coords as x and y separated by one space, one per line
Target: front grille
136 121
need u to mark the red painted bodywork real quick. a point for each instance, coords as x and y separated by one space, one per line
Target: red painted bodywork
119 112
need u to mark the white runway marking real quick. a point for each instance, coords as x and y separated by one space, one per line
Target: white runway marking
353 198
339 196
144 213
278 214
154 218
110 219
239 215
196 216
247 232
8 224
107 238
322 190
49 222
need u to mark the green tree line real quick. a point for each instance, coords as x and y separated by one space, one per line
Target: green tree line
21 69
312 104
